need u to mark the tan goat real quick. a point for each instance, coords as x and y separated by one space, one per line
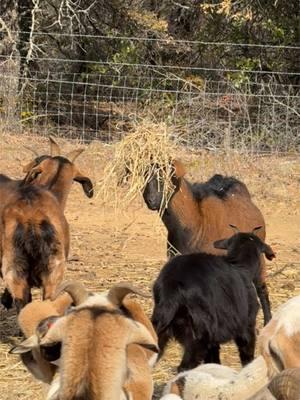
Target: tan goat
279 340
139 384
35 320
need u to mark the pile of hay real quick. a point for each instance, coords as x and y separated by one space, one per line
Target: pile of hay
143 152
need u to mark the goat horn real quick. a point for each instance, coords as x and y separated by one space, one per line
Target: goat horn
117 293
75 289
32 150
286 385
54 147
235 228
74 154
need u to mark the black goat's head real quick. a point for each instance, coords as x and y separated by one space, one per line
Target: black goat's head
244 240
154 191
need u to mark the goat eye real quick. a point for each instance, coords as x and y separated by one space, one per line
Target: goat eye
251 238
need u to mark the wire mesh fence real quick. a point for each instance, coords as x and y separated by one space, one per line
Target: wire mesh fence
206 107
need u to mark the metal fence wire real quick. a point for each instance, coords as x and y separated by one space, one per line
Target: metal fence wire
236 109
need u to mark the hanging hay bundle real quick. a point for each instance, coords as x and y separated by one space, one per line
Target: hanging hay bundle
145 151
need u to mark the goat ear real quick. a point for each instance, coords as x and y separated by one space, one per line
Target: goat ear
28 167
54 147
139 334
25 346
221 244
74 154
179 168
269 253
86 183
32 174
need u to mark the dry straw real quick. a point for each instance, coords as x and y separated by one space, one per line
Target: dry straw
144 152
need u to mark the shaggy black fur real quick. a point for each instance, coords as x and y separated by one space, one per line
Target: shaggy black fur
218 185
33 247
203 300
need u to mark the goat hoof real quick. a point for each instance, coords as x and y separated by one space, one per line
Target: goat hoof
6 299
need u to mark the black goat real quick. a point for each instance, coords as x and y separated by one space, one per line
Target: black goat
203 300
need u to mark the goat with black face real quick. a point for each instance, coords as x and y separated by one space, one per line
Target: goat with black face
197 215
203 300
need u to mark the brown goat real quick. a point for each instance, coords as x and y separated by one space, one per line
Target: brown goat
57 173
9 187
34 230
197 215
35 243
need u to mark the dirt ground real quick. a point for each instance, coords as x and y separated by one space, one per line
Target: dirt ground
111 244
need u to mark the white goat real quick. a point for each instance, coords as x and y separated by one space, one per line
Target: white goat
214 381
211 381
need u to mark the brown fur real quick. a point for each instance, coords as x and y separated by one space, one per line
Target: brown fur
55 176
94 352
19 212
263 345
208 220
139 383
28 319
33 313
27 211
287 348
58 173
279 340
43 207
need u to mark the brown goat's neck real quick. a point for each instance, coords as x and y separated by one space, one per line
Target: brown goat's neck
183 218
61 188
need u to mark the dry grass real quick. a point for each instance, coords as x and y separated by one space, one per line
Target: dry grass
144 152
110 244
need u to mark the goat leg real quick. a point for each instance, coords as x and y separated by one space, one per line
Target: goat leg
213 355
195 352
246 346
263 295
18 287
53 277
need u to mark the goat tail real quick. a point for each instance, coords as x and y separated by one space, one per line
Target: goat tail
34 243
37 239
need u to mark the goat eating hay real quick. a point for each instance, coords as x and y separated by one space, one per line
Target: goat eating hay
145 151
